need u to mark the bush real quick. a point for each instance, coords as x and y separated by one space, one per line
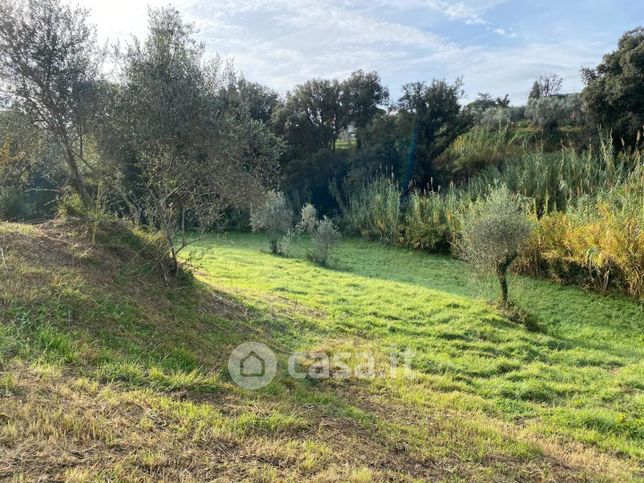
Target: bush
324 237
275 218
493 231
14 205
72 206
308 219
324 234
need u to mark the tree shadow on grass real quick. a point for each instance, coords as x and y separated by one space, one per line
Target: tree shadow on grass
570 316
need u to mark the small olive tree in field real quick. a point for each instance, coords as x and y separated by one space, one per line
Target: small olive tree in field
493 230
323 232
274 217
548 113
323 239
308 219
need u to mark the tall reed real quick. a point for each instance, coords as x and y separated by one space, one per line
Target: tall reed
588 208
373 211
554 180
430 220
479 148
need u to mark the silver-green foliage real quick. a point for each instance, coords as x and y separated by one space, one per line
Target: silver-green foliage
308 219
323 232
495 117
493 230
275 218
49 70
550 112
194 156
323 238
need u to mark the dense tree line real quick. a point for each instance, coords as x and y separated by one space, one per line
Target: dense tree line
176 140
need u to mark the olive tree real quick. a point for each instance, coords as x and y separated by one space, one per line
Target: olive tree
495 117
550 112
32 169
192 158
324 237
49 61
323 233
275 218
493 229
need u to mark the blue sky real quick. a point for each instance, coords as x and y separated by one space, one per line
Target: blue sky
497 46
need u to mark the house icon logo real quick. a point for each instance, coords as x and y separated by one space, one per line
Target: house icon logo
252 365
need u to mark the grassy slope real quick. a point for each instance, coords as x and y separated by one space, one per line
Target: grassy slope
108 374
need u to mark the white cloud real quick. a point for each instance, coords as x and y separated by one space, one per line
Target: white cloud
469 11
512 70
284 42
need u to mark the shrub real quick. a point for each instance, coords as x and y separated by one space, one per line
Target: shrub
14 204
324 237
308 219
275 218
517 113
493 231
72 206
323 232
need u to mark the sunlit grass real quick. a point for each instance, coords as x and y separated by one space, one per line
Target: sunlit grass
122 378
580 361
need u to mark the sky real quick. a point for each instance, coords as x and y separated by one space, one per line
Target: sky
496 46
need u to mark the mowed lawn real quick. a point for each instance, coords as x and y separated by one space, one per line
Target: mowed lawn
106 374
574 374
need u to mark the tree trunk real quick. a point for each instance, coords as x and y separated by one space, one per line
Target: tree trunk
503 283
76 178
502 275
173 251
175 263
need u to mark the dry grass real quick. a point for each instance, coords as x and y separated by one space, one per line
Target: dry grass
106 374
57 426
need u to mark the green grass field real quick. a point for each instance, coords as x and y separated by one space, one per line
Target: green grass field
578 372
107 374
